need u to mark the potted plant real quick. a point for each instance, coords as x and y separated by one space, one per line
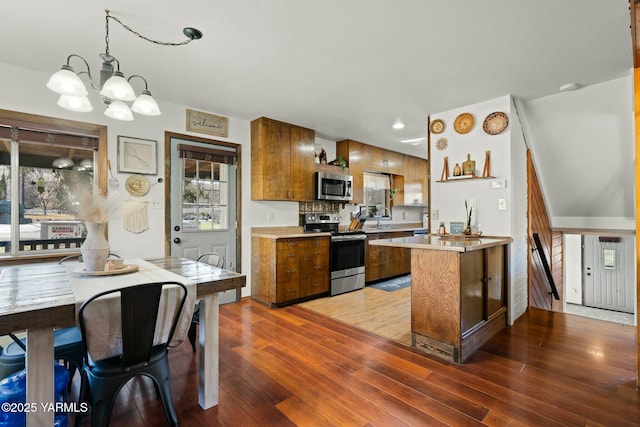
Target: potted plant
469 210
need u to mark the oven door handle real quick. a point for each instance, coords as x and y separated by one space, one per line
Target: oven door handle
346 238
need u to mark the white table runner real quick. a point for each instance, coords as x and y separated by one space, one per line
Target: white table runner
107 315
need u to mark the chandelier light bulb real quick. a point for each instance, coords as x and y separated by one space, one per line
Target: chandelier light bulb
80 104
119 110
118 88
146 105
67 82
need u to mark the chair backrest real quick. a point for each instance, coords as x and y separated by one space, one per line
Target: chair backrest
212 258
143 317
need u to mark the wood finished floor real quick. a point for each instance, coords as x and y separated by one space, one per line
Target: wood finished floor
292 366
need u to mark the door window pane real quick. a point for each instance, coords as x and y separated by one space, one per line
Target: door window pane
205 195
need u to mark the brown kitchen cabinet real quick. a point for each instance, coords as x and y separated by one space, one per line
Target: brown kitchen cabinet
382 262
414 182
409 172
353 152
287 270
458 299
282 161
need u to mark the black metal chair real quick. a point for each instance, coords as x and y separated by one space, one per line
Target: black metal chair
105 372
214 259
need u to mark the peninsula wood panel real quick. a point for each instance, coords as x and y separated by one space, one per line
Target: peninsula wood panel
436 317
539 222
454 306
636 83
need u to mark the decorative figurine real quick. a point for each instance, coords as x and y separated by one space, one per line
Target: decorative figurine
469 166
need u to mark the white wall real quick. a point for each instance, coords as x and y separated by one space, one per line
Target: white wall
447 199
508 166
583 140
572 248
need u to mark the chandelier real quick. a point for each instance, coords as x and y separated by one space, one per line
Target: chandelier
114 89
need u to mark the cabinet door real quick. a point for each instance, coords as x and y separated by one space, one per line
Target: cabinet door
495 279
471 289
302 164
270 162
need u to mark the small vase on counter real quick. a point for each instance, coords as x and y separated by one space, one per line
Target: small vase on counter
95 248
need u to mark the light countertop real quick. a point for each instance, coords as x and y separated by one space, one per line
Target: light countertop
297 231
435 242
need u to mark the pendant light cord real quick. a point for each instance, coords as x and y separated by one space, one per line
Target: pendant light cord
131 30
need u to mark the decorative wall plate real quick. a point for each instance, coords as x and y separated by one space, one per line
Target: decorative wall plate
464 123
437 126
495 123
137 185
442 144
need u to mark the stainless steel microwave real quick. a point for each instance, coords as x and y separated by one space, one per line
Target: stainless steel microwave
333 186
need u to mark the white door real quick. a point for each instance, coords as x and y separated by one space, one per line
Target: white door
609 273
203 203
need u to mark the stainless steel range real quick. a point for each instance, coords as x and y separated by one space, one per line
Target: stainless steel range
347 251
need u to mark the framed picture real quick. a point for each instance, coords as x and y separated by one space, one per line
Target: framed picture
456 227
211 124
137 155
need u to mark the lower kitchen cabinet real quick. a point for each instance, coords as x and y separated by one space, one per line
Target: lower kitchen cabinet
458 299
382 262
287 270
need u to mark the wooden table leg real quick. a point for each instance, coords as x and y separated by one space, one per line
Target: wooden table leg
209 352
39 364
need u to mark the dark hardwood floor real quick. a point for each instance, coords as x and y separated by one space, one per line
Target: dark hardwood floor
292 367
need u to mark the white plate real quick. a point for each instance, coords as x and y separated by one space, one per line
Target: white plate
127 268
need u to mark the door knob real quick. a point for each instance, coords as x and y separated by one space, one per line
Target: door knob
176 228
176 240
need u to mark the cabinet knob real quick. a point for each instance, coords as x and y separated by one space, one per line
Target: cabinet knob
176 240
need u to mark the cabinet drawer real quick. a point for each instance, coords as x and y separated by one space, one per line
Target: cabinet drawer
313 284
287 282
314 242
315 266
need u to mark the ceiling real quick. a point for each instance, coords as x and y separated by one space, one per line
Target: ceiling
348 69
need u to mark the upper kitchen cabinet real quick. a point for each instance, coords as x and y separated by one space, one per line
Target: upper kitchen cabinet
282 163
386 161
354 153
409 172
415 182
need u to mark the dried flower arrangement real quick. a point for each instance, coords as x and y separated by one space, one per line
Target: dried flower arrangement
89 203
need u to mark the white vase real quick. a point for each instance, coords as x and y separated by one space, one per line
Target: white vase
95 248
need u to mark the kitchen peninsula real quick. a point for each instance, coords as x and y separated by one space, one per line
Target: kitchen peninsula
458 291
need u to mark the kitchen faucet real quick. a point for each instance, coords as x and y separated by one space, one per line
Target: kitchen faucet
380 212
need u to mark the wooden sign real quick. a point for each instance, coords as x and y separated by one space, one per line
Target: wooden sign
211 124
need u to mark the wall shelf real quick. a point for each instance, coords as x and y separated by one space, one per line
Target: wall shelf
464 178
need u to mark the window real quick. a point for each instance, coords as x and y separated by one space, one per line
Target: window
377 194
39 158
205 188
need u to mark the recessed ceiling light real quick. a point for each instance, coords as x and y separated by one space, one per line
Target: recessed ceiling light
568 87
412 140
398 125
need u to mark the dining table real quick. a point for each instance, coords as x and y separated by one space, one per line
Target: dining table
41 297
